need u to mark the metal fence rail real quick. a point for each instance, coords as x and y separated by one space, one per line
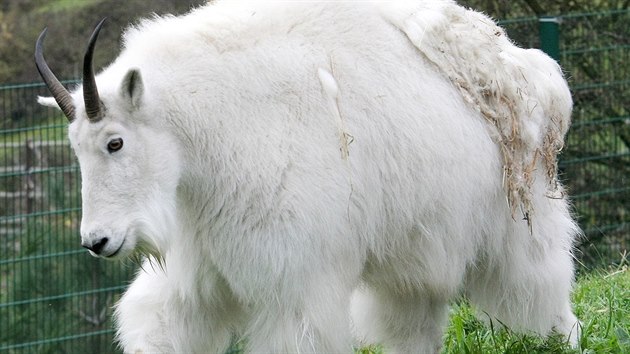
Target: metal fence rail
55 298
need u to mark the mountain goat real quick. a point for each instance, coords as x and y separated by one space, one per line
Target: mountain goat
307 173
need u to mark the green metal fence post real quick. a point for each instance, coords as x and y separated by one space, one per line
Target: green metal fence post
549 33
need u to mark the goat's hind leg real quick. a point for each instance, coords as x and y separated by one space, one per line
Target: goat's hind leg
529 292
404 323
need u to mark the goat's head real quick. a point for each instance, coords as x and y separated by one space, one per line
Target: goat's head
129 165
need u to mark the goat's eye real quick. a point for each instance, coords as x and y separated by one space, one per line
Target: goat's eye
114 145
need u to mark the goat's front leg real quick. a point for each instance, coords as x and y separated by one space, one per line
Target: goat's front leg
139 314
158 315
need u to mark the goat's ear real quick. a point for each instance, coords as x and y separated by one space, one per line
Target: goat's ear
132 88
48 102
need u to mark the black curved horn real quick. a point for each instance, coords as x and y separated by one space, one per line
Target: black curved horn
93 106
60 94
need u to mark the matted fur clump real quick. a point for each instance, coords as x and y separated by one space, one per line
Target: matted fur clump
520 92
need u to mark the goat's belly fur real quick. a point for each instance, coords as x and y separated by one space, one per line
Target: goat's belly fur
345 181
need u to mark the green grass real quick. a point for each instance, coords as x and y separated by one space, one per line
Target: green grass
601 301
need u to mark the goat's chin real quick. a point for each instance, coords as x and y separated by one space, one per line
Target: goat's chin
136 246
126 250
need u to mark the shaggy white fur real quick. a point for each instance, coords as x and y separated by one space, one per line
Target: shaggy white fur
286 159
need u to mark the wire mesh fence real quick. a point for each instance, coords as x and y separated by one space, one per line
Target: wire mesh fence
595 164
55 298
596 52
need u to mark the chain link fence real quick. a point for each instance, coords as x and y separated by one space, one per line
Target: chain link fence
55 298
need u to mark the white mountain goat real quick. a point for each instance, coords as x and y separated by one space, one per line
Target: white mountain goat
312 171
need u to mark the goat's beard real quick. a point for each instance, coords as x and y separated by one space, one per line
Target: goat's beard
145 253
157 223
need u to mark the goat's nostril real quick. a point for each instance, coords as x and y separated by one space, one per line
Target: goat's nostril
97 245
